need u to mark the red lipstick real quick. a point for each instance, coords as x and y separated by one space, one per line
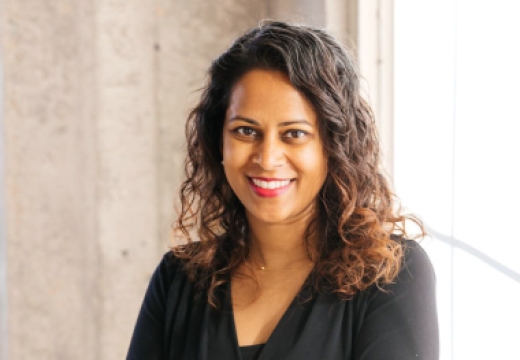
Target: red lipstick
269 192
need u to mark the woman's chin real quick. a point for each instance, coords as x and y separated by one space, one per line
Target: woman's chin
280 216
268 217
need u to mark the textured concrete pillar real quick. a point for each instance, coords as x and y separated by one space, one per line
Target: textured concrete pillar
127 151
96 96
52 249
341 19
4 342
310 12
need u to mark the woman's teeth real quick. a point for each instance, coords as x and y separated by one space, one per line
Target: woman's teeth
270 184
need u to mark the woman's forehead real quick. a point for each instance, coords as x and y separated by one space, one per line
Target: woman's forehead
265 95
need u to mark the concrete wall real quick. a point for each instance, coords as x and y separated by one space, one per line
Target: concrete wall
53 252
4 349
96 94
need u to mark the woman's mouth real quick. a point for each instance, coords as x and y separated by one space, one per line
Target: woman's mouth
269 187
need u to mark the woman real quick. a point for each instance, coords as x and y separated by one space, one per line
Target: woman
301 253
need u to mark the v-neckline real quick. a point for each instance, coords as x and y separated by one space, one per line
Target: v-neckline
283 319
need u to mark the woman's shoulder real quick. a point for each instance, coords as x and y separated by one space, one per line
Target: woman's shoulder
175 257
416 275
415 269
401 317
172 266
416 261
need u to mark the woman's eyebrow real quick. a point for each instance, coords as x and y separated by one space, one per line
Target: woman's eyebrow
254 122
242 118
292 122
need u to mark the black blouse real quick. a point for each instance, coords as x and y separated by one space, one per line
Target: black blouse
251 352
398 322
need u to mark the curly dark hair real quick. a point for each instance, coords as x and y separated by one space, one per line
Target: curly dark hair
360 225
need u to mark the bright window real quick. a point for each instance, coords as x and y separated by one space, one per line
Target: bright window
457 162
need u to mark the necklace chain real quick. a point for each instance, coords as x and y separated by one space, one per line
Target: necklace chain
263 268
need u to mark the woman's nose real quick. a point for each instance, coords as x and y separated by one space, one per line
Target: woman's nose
270 154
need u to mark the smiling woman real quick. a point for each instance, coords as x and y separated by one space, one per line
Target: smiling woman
273 156
300 253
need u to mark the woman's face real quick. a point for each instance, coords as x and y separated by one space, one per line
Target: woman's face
273 155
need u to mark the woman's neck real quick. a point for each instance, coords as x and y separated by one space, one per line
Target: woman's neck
279 246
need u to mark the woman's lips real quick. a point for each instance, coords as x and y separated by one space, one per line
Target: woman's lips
269 187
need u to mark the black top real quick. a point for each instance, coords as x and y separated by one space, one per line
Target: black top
251 352
399 323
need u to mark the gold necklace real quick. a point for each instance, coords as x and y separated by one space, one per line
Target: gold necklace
263 268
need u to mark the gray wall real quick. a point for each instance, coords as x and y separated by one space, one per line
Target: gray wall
95 98
96 93
4 345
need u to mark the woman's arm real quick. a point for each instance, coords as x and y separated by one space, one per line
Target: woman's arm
148 338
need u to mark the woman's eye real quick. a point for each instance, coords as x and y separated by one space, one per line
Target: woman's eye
246 131
295 134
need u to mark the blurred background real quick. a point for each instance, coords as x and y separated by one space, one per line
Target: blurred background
93 99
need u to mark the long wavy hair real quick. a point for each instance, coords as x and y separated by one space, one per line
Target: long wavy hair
359 225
